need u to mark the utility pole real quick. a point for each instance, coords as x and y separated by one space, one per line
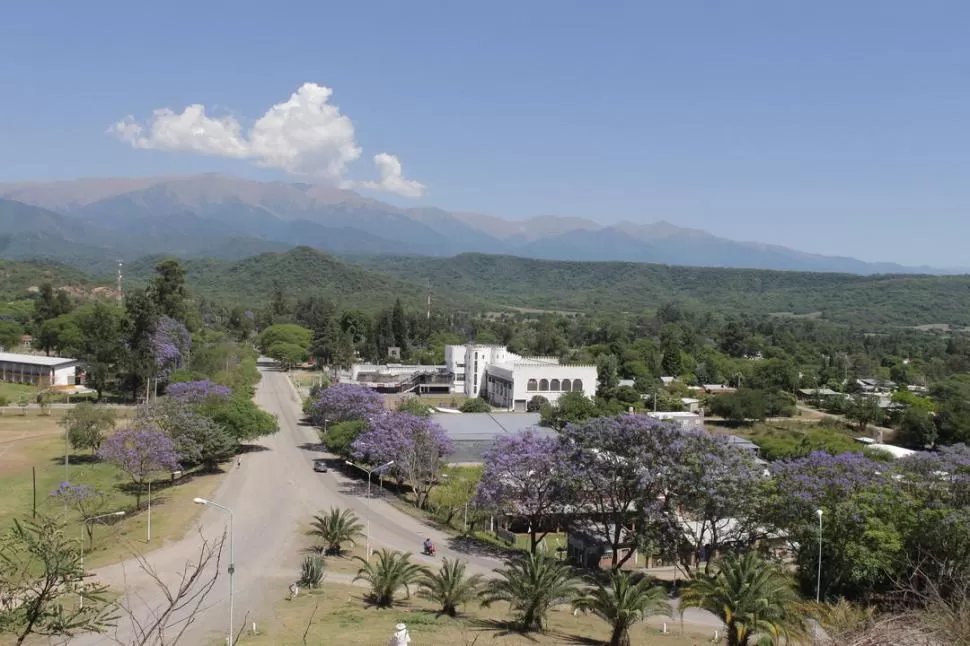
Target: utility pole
429 299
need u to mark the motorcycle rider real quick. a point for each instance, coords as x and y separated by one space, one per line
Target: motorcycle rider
428 547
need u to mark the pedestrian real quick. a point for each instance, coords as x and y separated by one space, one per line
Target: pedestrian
238 461
401 637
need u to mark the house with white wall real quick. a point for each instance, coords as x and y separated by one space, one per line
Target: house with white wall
508 380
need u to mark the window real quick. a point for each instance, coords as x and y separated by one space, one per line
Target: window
566 386
578 384
543 385
532 386
554 385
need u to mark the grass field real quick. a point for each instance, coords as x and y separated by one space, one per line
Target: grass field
338 614
36 442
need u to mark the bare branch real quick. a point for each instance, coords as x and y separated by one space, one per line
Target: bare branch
167 623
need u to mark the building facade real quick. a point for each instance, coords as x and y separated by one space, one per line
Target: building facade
508 380
38 370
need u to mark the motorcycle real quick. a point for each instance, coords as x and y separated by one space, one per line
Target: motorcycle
429 551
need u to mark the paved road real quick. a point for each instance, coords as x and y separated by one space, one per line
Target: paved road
273 495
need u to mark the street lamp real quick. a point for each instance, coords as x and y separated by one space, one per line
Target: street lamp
232 564
818 582
369 472
84 524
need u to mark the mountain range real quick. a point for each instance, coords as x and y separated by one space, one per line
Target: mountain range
93 223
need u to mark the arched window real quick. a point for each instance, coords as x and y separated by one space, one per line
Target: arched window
543 385
554 385
566 386
578 385
531 386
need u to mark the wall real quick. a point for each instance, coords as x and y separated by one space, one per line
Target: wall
513 385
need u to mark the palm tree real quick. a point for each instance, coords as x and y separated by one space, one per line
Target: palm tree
388 574
449 586
338 527
753 597
623 603
531 584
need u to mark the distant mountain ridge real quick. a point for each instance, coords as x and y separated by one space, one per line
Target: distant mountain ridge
190 215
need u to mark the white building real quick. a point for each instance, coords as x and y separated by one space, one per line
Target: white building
685 419
509 381
38 370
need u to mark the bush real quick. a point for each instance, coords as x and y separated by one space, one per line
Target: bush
476 405
311 572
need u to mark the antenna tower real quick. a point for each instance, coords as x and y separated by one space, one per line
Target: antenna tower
120 294
429 300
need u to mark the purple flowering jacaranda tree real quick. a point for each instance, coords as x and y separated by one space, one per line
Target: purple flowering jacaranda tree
417 445
197 392
344 403
87 500
171 342
140 452
527 475
865 513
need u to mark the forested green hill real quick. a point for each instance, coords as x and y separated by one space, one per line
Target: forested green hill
635 287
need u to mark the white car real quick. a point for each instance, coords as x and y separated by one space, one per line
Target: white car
320 466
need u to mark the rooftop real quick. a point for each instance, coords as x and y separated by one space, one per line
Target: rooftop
473 433
34 359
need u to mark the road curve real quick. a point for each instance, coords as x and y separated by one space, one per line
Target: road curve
273 494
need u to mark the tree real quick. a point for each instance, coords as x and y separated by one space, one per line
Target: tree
865 517
622 603
742 406
140 357
864 411
391 572
417 445
198 439
102 328
531 584
312 571
449 587
240 417
60 335
536 404
201 391
341 436
415 406
624 466
40 573
399 327
86 425
288 354
338 527
916 429
284 333
475 405
140 452
167 290
753 597
171 343
345 402
86 500
571 408
527 474
51 303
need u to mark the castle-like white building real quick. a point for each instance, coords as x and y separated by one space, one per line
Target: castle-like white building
508 380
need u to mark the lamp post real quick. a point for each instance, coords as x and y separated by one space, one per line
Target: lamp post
369 472
84 524
818 582
232 560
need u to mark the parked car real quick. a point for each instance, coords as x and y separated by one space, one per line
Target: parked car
320 466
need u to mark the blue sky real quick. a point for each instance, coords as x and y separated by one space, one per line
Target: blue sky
833 127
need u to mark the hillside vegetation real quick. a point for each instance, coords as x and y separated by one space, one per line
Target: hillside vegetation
636 287
302 272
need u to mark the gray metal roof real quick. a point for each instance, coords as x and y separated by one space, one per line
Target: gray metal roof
473 433
34 359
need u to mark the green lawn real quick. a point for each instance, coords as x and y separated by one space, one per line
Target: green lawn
33 446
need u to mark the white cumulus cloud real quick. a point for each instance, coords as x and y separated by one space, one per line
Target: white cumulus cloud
305 135
391 178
